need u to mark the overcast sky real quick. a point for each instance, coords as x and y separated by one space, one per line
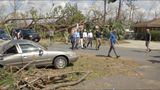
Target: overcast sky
84 5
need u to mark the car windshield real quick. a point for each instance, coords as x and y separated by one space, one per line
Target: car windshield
2 46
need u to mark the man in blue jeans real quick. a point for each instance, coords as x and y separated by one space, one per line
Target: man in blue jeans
73 38
113 40
77 38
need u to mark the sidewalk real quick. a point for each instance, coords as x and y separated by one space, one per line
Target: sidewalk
139 44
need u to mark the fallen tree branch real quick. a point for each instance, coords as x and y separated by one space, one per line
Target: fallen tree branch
49 87
24 67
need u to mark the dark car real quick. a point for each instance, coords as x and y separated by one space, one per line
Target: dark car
4 35
29 34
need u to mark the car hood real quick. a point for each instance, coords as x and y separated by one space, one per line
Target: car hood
57 49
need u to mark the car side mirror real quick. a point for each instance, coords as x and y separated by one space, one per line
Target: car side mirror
40 52
1 56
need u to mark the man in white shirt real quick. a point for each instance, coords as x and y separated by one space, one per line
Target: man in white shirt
90 36
84 38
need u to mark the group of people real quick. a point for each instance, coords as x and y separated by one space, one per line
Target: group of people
79 36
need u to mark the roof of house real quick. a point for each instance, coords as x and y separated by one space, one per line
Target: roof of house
151 23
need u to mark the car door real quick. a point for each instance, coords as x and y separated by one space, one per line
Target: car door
31 52
12 56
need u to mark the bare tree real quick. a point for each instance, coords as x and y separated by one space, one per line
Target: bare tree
2 10
104 11
15 4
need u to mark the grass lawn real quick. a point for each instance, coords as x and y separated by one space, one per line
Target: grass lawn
100 66
103 66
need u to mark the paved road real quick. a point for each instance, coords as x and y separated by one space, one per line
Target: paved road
135 53
150 69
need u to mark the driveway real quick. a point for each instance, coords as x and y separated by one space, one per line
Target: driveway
150 68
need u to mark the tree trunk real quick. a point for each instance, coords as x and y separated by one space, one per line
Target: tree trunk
119 10
104 11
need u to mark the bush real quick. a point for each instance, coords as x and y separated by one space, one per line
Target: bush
155 35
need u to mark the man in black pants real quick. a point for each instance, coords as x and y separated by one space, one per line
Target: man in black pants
148 39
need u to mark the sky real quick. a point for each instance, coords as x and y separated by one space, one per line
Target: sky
43 6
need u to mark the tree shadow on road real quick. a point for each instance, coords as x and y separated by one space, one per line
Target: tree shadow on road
154 61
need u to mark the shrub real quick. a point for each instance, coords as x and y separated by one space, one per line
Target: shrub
155 35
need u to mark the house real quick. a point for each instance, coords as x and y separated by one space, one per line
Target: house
140 28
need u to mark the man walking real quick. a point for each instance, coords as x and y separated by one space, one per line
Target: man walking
73 38
77 38
84 38
51 34
81 37
148 39
90 36
113 40
98 38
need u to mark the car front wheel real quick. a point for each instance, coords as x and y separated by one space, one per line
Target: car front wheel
60 62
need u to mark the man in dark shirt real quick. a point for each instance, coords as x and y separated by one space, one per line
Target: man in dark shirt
81 37
98 38
148 39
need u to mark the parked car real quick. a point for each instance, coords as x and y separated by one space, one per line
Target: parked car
21 52
29 34
4 35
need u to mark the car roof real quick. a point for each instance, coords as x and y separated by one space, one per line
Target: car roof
9 43
20 41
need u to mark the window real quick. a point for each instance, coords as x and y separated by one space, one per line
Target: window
28 48
12 50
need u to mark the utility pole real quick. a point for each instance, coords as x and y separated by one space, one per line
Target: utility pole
119 10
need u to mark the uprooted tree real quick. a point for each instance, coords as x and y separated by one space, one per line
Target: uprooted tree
59 19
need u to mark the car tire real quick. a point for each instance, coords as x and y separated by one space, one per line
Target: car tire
60 62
